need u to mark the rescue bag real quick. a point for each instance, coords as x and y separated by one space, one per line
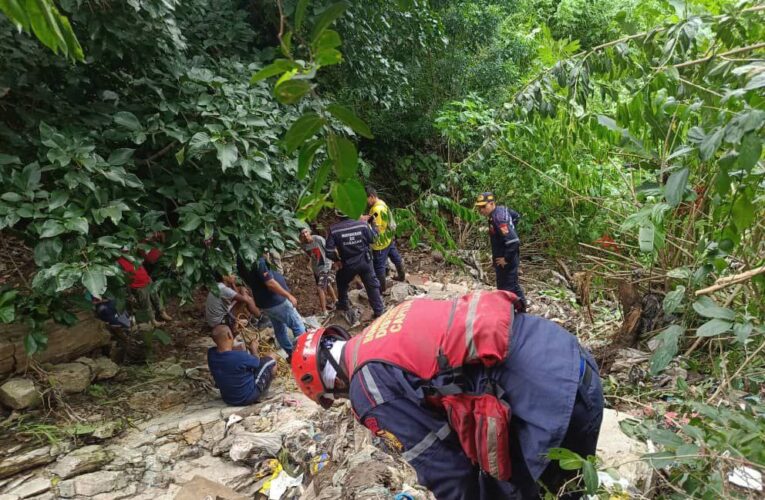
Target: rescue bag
435 339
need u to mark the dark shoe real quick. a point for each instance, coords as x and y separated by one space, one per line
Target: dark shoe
401 276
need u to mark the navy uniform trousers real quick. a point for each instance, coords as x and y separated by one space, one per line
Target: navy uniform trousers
507 276
365 271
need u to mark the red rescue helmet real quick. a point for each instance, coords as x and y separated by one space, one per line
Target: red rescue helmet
309 358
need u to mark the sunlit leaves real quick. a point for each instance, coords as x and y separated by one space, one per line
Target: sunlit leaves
344 155
290 91
326 18
43 19
278 67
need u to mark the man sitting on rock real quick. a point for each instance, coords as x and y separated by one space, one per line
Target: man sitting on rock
242 377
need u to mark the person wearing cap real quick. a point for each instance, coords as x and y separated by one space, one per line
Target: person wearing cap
348 245
315 248
505 244
384 245
472 392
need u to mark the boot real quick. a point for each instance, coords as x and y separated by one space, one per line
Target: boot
401 276
381 280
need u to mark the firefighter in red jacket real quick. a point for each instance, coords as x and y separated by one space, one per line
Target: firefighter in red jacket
472 392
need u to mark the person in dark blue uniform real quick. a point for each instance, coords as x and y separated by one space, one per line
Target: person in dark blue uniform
348 244
505 244
549 381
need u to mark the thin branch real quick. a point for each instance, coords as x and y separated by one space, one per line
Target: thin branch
731 280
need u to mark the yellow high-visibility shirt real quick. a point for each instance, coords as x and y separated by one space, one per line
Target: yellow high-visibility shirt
381 215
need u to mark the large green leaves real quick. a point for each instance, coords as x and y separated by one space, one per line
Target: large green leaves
44 20
709 309
94 280
326 18
344 155
305 158
349 197
675 187
349 118
667 348
300 131
290 91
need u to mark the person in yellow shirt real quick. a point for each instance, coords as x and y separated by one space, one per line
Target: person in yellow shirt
384 246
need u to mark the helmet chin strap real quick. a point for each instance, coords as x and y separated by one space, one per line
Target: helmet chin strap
339 372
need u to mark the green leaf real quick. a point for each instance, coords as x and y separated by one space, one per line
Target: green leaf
120 156
344 155
590 474
51 228
47 252
710 144
328 57
742 331
57 199
709 309
713 327
11 197
9 160
227 154
675 187
349 118
673 299
30 344
300 11
291 91
300 131
659 460
191 221
682 273
127 120
646 237
321 176
567 459
326 18
79 224
743 212
277 67
750 151
329 39
94 280
667 348
305 158
349 197
7 313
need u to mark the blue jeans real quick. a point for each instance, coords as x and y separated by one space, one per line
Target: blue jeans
282 317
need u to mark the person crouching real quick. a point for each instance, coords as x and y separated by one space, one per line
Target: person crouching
242 377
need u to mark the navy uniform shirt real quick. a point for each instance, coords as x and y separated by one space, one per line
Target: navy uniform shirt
504 237
256 278
349 241
540 378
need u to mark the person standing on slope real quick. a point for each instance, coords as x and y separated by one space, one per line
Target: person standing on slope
505 244
384 246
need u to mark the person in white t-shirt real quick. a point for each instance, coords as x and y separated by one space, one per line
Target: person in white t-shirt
221 308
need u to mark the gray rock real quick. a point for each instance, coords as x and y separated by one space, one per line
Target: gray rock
16 463
70 377
620 451
8 496
82 460
108 429
90 363
92 484
19 393
106 368
169 369
400 292
30 488
247 444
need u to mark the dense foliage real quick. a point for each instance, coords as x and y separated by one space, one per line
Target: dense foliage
633 122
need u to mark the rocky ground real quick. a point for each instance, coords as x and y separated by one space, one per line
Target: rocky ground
160 430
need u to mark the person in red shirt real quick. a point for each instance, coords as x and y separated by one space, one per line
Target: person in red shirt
149 308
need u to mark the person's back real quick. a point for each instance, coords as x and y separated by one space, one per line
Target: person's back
540 379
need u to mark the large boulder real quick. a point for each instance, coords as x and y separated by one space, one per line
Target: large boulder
70 377
64 343
19 393
106 368
17 462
